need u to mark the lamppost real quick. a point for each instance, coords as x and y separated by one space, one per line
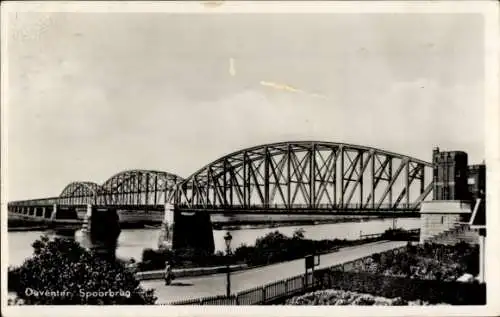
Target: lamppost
227 240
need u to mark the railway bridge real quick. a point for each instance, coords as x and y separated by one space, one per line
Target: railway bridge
296 177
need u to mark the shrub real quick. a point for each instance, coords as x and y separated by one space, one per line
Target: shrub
432 290
155 259
148 255
340 297
270 240
398 234
64 271
428 261
299 234
271 248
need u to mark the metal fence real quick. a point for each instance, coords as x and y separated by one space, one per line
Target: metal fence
353 276
282 288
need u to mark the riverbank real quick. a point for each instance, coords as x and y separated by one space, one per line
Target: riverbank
18 225
260 224
181 272
272 248
213 285
31 228
15 225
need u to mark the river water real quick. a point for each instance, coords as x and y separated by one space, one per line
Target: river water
132 242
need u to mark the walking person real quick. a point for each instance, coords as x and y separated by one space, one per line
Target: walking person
132 265
168 273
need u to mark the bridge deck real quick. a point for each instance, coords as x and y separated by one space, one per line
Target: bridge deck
409 211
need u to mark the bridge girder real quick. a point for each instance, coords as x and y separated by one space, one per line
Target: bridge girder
287 175
127 188
80 193
308 175
140 187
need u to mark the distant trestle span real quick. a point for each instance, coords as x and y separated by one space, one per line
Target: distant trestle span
127 188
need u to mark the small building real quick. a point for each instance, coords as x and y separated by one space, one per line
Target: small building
458 198
458 209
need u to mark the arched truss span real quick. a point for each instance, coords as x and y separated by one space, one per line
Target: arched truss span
140 187
309 175
80 193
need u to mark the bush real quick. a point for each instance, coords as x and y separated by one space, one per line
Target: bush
398 234
155 259
299 234
276 247
148 254
341 297
271 248
65 273
428 261
390 286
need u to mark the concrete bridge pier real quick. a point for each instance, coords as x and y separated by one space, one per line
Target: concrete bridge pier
62 232
100 231
87 219
186 230
53 214
165 239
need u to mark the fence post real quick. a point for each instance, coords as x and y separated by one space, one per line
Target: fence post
236 300
286 286
263 294
201 301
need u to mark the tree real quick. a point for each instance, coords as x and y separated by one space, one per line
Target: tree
61 272
270 240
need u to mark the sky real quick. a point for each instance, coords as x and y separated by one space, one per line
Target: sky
92 94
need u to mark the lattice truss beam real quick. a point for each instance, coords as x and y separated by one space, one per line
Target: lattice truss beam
134 187
140 187
314 175
80 193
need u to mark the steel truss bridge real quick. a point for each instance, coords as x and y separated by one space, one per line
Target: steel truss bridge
128 189
286 177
